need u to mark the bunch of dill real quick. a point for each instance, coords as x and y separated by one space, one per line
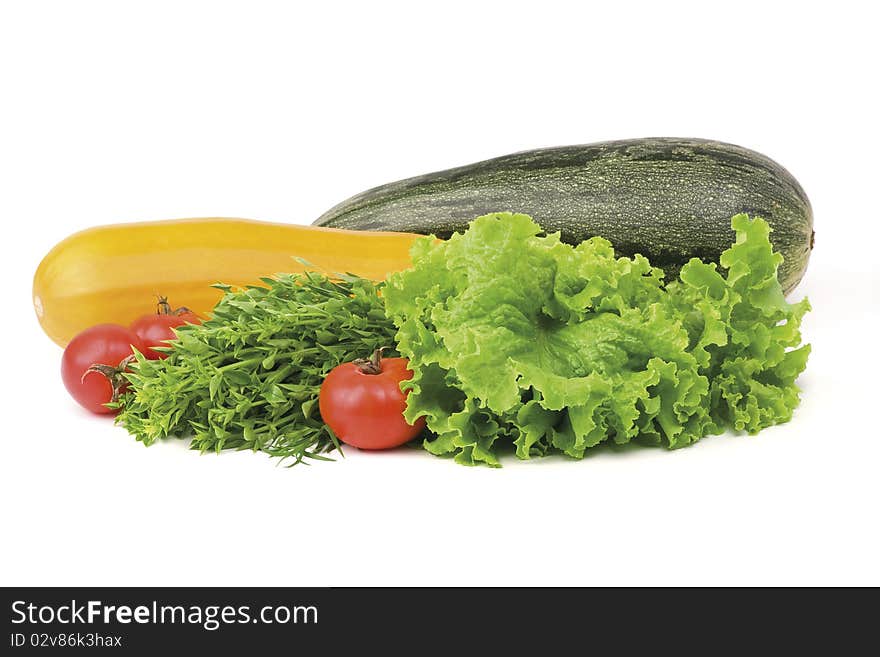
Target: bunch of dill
249 377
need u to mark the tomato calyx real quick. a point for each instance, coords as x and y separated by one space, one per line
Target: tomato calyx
371 365
164 308
115 375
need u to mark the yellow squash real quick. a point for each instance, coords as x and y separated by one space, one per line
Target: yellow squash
115 273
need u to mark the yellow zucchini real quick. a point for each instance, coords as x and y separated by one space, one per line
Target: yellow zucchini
115 273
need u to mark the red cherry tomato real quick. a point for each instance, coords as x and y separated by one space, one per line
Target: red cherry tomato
155 331
103 345
363 404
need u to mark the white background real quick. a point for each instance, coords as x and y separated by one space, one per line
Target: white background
116 111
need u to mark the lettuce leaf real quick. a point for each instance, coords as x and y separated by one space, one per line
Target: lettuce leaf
520 342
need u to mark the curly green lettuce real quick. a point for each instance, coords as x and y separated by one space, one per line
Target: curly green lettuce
519 341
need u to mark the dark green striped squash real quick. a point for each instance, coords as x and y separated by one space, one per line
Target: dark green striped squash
668 199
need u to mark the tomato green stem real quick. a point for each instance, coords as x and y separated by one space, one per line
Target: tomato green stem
164 308
115 375
373 365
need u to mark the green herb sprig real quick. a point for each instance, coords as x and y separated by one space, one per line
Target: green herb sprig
248 378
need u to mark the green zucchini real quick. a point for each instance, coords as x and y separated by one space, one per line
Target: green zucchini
668 199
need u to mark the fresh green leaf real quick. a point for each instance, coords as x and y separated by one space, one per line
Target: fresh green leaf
249 377
517 338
